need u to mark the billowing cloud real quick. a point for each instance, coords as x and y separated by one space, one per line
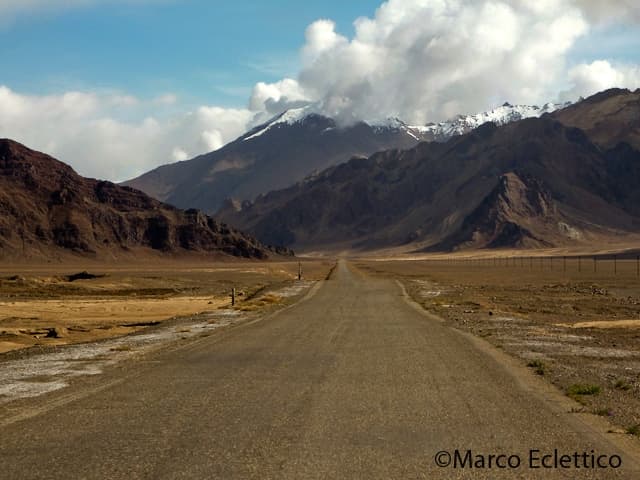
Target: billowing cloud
427 60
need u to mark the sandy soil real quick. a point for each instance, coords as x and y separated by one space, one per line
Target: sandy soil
578 328
63 321
41 306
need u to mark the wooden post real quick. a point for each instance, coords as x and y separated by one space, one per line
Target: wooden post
299 270
233 296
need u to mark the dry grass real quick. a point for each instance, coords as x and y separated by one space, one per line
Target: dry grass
36 300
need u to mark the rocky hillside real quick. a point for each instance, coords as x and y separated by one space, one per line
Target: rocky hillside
518 212
46 207
608 118
535 182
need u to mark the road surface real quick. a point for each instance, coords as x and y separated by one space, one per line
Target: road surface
352 383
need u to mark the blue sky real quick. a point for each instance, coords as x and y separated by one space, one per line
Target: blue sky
213 51
117 87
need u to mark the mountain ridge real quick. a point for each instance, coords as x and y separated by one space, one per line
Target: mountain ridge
46 209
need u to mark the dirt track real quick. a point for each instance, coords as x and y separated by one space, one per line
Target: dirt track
354 382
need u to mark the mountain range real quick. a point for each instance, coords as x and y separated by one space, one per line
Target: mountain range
531 177
48 210
294 145
568 177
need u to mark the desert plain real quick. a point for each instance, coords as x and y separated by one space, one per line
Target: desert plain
44 305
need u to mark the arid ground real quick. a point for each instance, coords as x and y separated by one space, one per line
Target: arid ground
354 380
45 305
574 323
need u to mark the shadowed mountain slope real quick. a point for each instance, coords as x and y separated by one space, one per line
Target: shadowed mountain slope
608 118
46 207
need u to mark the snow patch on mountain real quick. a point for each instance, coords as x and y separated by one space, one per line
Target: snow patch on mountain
502 115
441 131
289 117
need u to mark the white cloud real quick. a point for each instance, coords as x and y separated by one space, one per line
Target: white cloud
86 131
321 37
179 155
599 75
426 60
274 98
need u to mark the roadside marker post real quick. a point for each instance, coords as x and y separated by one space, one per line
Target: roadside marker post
233 296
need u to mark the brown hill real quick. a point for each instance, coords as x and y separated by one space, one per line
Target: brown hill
517 213
608 117
46 207
531 183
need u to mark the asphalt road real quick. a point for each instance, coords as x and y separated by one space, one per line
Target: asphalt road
352 383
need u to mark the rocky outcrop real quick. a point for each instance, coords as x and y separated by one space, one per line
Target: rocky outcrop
517 213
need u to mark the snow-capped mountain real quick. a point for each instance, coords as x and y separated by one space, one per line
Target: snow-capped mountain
288 117
298 116
502 115
439 132
293 145
271 156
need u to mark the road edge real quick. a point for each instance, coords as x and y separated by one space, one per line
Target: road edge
541 389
